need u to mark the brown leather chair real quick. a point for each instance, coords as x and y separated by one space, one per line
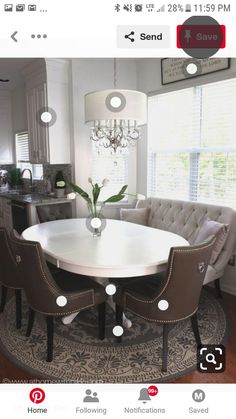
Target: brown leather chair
177 295
9 276
54 212
58 295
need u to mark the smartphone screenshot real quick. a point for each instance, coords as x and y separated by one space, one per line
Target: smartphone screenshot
118 209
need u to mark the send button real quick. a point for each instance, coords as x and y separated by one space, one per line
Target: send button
148 37
143 36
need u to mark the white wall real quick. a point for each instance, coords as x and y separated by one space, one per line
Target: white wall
19 113
149 76
89 75
6 134
149 81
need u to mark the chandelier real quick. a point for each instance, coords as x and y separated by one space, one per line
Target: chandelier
115 116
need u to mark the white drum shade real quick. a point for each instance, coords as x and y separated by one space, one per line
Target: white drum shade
116 104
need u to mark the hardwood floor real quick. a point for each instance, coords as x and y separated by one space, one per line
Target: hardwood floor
10 373
229 375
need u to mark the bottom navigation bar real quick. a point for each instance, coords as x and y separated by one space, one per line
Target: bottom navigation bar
118 400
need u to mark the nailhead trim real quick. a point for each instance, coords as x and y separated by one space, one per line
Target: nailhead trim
185 250
55 289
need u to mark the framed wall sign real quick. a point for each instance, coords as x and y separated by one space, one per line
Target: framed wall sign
176 69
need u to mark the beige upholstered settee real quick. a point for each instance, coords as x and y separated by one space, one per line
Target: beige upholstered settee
186 218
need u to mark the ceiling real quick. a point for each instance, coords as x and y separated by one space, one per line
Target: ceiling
10 68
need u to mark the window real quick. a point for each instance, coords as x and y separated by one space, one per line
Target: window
112 167
22 156
191 144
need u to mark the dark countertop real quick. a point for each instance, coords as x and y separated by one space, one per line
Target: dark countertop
33 198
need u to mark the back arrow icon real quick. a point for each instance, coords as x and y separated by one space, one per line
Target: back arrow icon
13 36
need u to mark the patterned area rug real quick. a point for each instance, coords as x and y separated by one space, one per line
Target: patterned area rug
80 357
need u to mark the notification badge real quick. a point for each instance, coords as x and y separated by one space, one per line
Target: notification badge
152 391
37 395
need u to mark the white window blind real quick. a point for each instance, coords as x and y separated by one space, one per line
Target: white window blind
112 167
192 144
23 157
22 147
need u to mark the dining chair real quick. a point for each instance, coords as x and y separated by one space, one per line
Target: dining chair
175 298
54 212
59 295
9 276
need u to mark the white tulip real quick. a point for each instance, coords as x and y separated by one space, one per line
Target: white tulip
140 197
71 195
105 182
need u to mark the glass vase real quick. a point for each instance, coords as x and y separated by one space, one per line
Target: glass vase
95 219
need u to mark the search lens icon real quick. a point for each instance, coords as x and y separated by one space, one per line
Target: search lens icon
211 358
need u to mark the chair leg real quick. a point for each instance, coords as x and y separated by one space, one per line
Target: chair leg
49 338
119 320
165 347
101 320
18 308
30 322
196 329
217 288
3 298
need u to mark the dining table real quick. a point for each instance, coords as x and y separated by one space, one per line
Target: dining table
123 250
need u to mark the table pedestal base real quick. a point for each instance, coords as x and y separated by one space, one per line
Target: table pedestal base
69 319
104 282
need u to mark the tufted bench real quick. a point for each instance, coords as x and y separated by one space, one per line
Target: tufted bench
185 218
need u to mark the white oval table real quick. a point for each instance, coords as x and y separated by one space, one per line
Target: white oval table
123 250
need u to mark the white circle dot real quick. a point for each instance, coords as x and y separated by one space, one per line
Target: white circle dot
46 117
118 331
191 68
115 102
110 289
163 305
61 301
96 222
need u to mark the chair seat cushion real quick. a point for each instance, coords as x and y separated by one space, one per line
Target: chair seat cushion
145 288
219 230
73 283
